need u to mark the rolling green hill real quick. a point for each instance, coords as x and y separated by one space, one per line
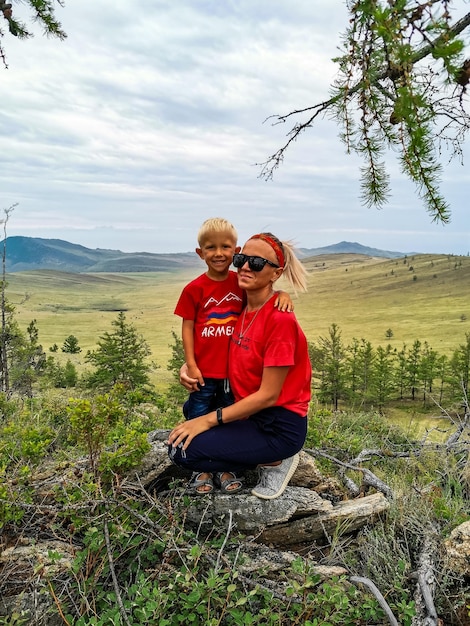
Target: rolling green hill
425 297
34 253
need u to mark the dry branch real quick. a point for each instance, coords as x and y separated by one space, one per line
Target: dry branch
117 591
426 614
361 580
369 478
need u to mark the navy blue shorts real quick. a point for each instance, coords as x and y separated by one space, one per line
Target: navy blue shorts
215 393
271 435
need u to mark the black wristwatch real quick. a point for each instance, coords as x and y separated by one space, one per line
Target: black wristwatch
219 417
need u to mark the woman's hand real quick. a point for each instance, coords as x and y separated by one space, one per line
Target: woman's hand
187 430
191 384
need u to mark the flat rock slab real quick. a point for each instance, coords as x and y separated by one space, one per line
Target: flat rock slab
250 514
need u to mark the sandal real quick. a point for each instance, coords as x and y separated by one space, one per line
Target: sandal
197 483
232 484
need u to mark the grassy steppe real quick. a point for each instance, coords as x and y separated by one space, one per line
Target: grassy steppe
425 297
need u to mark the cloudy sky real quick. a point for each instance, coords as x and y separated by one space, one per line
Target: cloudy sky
151 117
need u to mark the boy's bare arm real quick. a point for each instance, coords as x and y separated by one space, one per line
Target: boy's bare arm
187 334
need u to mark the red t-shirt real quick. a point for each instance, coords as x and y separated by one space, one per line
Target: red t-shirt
274 339
214 306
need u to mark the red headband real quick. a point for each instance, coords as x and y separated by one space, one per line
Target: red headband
274 245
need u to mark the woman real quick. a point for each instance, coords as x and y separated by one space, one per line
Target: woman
270 376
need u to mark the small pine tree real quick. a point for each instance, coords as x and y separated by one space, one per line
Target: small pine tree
70 375
71 345
120 358
27 358
58 375
382 383
331 356
177 356
176 391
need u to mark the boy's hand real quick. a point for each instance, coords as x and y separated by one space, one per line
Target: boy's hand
191 384
283 302
195 373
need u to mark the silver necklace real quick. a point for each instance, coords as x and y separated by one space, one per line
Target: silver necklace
244 330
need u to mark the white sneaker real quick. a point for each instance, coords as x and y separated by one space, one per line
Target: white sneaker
274 479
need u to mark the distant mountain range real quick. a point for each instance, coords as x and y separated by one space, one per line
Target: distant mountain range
34 253
348 247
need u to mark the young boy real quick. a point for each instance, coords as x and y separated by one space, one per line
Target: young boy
210 306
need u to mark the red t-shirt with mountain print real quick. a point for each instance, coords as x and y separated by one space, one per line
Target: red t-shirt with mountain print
214 306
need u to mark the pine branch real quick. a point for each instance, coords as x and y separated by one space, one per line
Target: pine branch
375 184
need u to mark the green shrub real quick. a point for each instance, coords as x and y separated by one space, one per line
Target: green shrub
24 442
91 422
128 451
10 498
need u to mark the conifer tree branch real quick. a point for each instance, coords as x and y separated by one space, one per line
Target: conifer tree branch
399 102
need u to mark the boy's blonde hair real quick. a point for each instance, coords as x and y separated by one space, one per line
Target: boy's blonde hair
216 225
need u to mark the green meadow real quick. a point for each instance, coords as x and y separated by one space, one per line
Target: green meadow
425 297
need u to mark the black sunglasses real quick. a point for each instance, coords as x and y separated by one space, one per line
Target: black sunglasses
255 263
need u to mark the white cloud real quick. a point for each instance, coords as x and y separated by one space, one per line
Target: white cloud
148 119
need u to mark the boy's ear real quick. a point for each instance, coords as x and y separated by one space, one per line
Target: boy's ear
199 253
237 249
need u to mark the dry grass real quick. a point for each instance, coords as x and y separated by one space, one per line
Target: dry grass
367 296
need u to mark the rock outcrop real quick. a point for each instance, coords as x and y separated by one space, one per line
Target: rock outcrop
457 550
